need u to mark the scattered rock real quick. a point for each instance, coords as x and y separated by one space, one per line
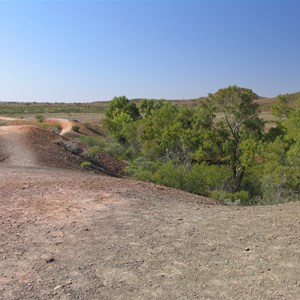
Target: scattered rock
50 260
58 287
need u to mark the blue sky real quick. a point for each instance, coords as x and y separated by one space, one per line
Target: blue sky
94 50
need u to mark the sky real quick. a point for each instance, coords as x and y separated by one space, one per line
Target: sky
82 51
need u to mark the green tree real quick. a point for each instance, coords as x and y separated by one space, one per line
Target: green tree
280 107
118 114
281 175
160 132
121 104
236 121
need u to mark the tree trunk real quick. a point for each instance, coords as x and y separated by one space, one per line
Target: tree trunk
237 171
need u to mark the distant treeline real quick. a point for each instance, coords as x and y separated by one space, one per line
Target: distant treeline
11 108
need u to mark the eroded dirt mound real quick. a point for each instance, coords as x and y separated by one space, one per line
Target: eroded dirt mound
109 165
25 145
31 146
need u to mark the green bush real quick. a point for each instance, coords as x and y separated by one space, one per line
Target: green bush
142 169
56 128
275 189
192 179
75 128
114 149
171 175
72 146
90 140
91 152
237 198
86 165
40 118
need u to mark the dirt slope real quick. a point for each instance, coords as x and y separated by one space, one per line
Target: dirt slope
66 234
25 145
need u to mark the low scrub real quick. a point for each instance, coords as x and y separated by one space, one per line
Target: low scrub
199 179
72 146
56 128
229 198
76 128
86 165
90 140
40 118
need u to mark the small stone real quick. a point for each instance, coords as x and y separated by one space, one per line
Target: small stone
50 260
58 287
247 249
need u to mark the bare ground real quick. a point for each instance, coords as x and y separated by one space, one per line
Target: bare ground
66 234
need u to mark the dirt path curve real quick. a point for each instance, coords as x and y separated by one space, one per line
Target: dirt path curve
65 124
71 235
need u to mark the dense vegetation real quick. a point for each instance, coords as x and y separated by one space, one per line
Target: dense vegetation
220 148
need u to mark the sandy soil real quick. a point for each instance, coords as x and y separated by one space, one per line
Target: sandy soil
66 234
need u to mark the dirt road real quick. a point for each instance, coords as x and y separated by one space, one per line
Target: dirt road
66 234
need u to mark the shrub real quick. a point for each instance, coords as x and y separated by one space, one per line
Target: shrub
91 152
237 198
40 118
72 147
275 189
56 128
190 179
86 165
75 128
171 175
90 140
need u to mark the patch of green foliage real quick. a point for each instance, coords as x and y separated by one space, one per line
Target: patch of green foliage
86 165
237 198
90 140
219 148
56 128
40 118
76 128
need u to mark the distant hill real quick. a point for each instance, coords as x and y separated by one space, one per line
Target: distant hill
293 100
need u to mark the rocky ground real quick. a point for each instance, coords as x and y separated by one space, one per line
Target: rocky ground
68 234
